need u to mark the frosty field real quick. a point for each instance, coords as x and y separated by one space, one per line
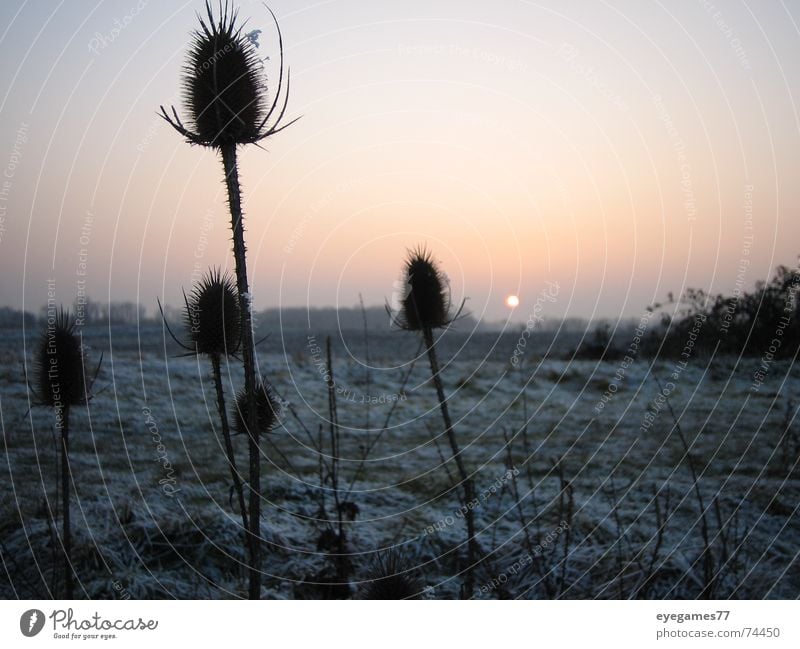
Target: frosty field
587 500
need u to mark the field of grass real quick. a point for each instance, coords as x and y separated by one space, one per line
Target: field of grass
585 501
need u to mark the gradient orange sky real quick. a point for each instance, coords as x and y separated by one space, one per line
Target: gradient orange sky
620 149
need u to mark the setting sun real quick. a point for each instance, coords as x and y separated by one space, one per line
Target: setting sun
512 301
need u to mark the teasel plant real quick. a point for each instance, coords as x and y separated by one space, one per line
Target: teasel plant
390 577
268 408
425 307
60 383
212 321
225 93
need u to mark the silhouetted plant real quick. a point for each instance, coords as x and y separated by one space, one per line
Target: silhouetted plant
212 319
212 316
391 578
268 409
60 383
425 307
225 95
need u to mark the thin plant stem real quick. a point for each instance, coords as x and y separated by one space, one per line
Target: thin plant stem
368 376
248 360
226 435
709 578
374 440
466 482
322 468
334 429
451 483
515 493
525 444
52 516
62 419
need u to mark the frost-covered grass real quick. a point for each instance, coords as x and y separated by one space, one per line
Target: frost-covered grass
153 514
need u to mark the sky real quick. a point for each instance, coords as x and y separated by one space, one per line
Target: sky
605 152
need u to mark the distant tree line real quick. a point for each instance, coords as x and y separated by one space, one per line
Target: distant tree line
15 319
89 312
762 321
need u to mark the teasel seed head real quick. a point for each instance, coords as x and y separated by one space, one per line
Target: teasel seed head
212 316
59 372
390 578
224 85
426 301
268 409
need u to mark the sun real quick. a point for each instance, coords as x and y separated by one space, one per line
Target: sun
512 301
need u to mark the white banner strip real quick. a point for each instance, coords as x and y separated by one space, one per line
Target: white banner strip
375 624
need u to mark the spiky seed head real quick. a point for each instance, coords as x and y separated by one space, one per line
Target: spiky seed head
212 316
268 409
390 578
223 82
426 304
60 379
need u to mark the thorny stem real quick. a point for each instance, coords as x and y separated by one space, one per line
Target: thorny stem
248 355
226 435
466 482
334 429
62 420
